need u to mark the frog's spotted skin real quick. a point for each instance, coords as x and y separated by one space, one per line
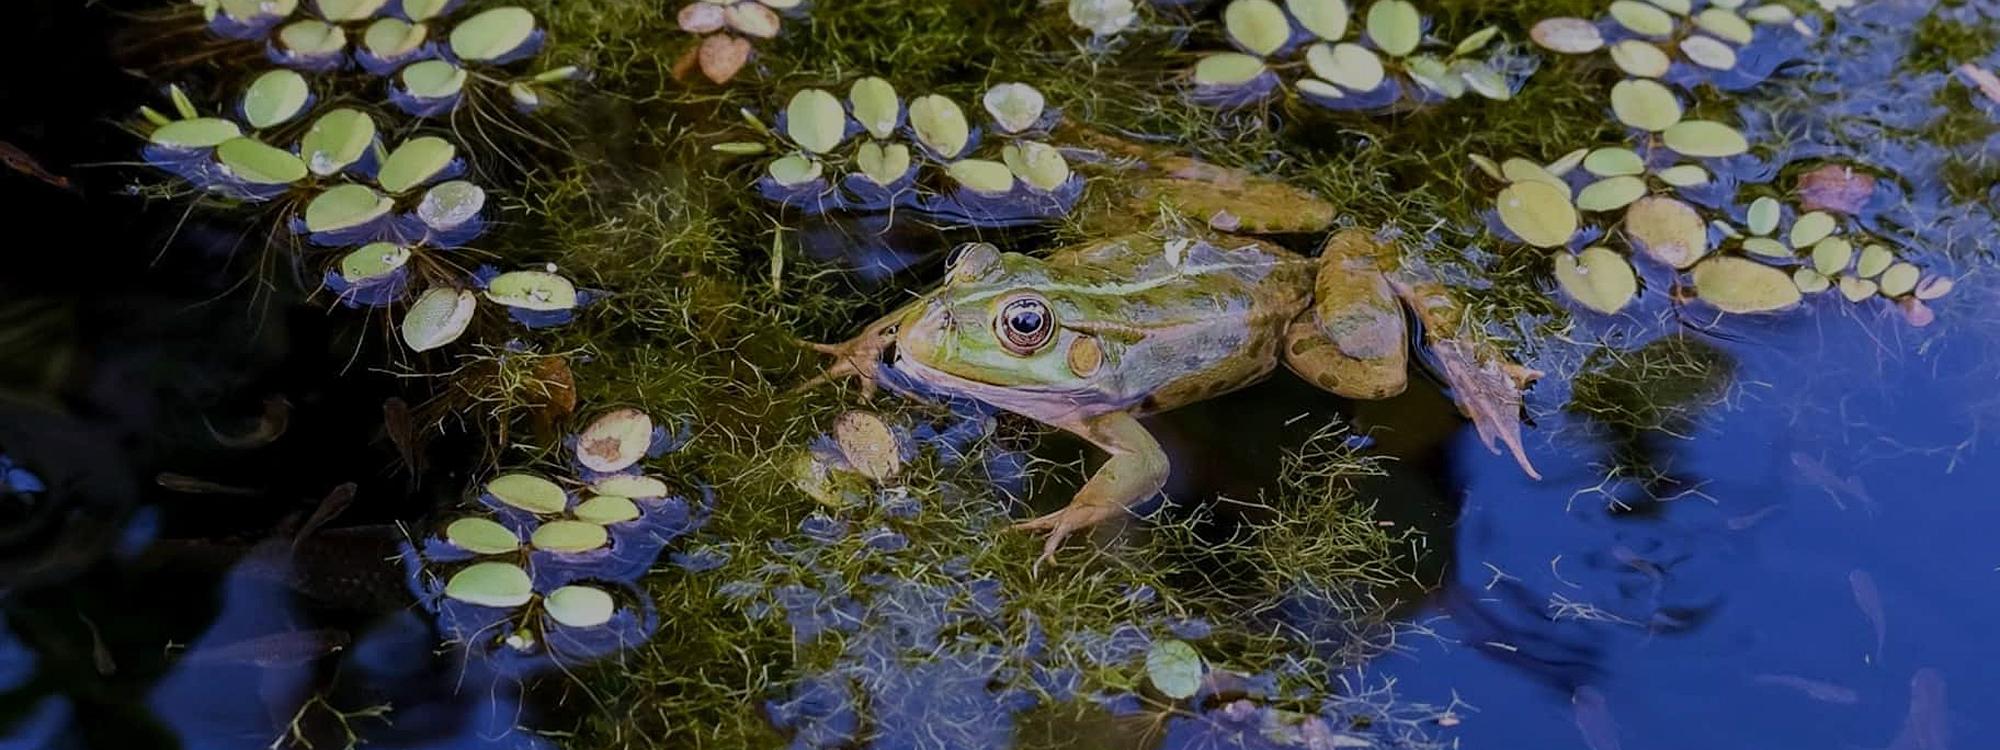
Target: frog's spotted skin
1093 336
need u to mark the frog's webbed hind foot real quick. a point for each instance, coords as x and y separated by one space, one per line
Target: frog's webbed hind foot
1135 473
1484 382
858 357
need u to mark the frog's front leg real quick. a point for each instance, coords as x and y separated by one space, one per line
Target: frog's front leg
1135 473
860 356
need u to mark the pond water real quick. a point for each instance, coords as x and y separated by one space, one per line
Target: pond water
1749 531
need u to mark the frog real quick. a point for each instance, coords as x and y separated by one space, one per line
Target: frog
1095 336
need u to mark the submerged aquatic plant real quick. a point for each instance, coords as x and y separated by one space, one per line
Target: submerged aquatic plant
918 155
1386 66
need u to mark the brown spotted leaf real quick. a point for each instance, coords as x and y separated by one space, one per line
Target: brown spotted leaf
722 55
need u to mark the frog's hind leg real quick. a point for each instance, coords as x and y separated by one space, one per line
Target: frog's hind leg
1353 339
1485 383
1135 473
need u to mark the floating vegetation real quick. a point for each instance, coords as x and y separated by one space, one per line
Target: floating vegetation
728 30
1730 45
546 575
1389 63
917 155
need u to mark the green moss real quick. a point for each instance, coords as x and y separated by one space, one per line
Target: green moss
1941 43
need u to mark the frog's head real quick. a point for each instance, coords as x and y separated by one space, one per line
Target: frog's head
1000 320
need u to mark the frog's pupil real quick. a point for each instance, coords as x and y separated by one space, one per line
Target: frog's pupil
1027 321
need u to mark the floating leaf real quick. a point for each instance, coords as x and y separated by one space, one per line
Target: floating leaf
274 98
449 204
739 148
1569 36
373 260
868 445
312 37
492 34
345 206
1701 138
438 317
528 492
982 176
1640 58
1725 24
394 37
1684 175
883 164
1038 164
200 132
1645 104
254 162
532 290
433 79
1934 287
491 584
1521 170
417 161
1766 247
1763 215
1736 285
1227 69
795 169
1668 230
606 510
628 485
1395 26
1259 26
1015 106
1708 53
1486 165
424 10
614 441
1610 193
815 121
1830 256
569 536
1566 163
1319 88
1856 290
1483 79
481 536
1676 7
1899 280
1598 279
1642 18
720 56
752 19
1771 13
579 606
940 124
1346 64
1474 41
1538 213
1811 228
1614 162
1326 19
1874 259
250 10
1810 281
1174 668
1102 17
340 11
875 106
1433 74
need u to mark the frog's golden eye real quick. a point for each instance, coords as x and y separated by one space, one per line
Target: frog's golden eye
1025 324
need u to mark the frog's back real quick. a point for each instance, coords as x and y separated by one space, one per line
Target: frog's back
1194 317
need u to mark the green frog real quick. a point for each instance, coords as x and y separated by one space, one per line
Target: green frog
1092 337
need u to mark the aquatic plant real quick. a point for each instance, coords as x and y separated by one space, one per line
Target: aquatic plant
939 178
1731 45
727 29
1387 65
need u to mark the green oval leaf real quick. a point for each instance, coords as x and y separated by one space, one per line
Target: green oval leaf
1640 58
579 606
1645 104
1326 19
1346 64
336 140
1642 18
794 169
528 492
1395 26
532 290
815 121
449 204
1704 139
432 79
569 536
605 510
1684 175
492 33
1038 164
312 37
1810 281
414 163
491 584
614 441
1227 69
1260 26
875 106
1725 24
1668 230
424 10
1014 106
1708 53
200 132
274 98
1763 215
1737 285
883 164
1538 213
1598 279
1174 668
345 206
481 536
982 176
1856 290
1611 193
394 37
438 317
1766 247
342 11
1614 161
1830 256
1569 36
627 485
940 124
1811 228
373 260
254 162
1875 259
1899 280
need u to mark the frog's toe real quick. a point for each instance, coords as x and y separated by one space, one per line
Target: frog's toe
1062 523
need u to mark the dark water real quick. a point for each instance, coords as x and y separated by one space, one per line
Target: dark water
1803 559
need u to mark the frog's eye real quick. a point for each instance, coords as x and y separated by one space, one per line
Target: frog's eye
1025 324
